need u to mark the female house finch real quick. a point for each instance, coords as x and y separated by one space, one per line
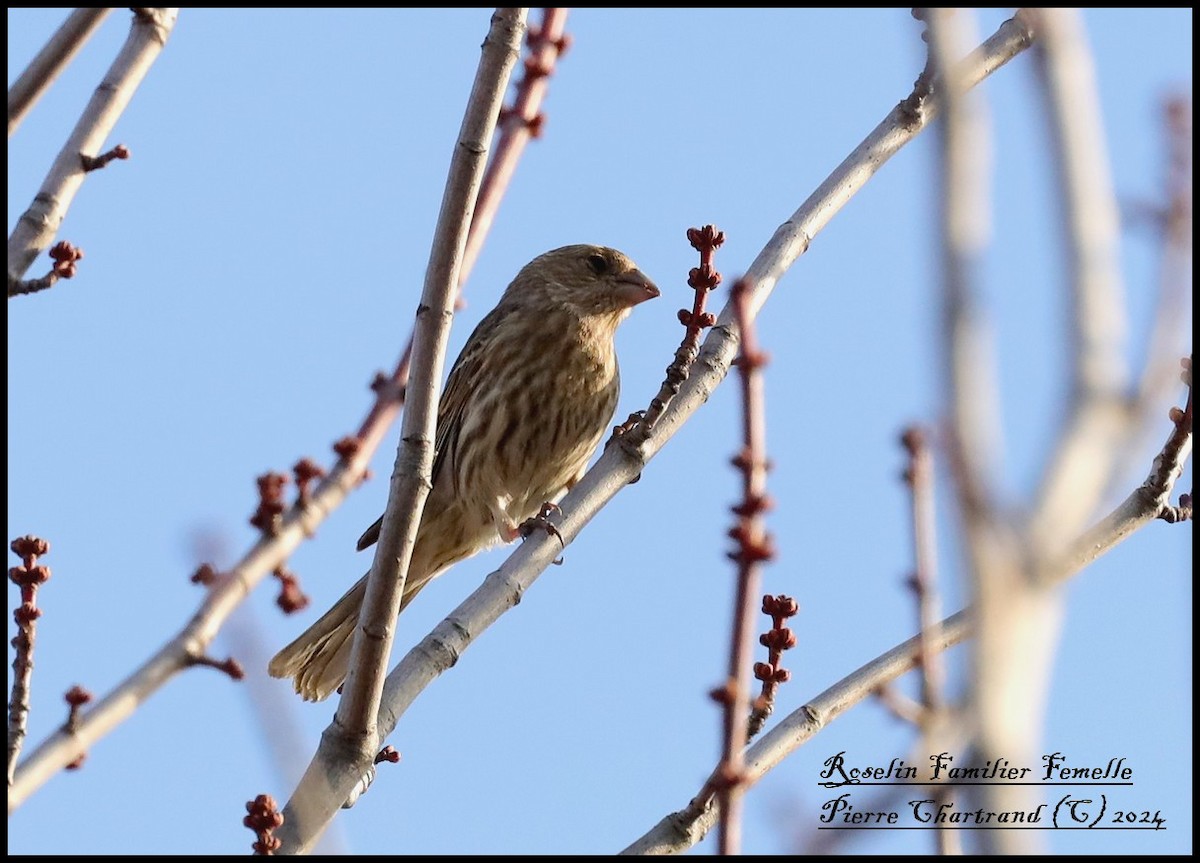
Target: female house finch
525 404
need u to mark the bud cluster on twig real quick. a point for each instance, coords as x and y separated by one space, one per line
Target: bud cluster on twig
264 818
703 280
772 673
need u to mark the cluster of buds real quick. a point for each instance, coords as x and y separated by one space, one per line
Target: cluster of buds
264 818
270 502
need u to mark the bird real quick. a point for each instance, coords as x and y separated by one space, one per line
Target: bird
526 403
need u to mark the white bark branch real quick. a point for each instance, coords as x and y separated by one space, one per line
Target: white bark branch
349 744
44 69
39 224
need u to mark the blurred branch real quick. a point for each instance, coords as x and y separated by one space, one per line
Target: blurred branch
1097 423
681 830
754 546
38 225
919 476
350 743
933 716
685 828
1016 622
45 68
1149 501
518 124
1170 334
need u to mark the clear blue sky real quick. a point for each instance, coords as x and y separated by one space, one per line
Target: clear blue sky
261 256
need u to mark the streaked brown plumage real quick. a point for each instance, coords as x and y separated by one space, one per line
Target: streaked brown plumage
525 404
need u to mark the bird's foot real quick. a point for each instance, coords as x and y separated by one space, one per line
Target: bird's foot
541 521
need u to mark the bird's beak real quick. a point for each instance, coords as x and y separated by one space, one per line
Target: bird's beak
635 287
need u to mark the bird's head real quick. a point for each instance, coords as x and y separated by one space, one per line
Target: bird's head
588 280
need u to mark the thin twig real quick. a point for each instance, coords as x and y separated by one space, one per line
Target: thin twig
65 257
753 547
29 576
703 280
45 68
919 476
1148 502
772 673
518 124
1170 334
681 830
920 479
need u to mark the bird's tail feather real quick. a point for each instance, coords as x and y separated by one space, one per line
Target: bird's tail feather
319 659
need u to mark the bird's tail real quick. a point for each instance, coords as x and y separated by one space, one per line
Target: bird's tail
319 659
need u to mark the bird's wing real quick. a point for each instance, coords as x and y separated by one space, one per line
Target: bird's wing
460 385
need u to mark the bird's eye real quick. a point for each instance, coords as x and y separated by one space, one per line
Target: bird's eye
598 263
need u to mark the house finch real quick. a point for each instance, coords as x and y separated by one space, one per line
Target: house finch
525 404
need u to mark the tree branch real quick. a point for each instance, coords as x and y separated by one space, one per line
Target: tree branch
39 224
45 68
349 744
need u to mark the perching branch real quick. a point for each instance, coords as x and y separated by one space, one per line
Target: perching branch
349 745
414 460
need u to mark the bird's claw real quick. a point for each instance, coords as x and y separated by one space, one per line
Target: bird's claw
541 521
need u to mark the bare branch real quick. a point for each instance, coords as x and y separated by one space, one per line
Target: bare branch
1017 623
919 476
681 830
29 576
1081 467
754 546
518 124
351 741
39 224
1147 502
45 68
414 459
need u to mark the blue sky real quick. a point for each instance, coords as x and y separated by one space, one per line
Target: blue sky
260 257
